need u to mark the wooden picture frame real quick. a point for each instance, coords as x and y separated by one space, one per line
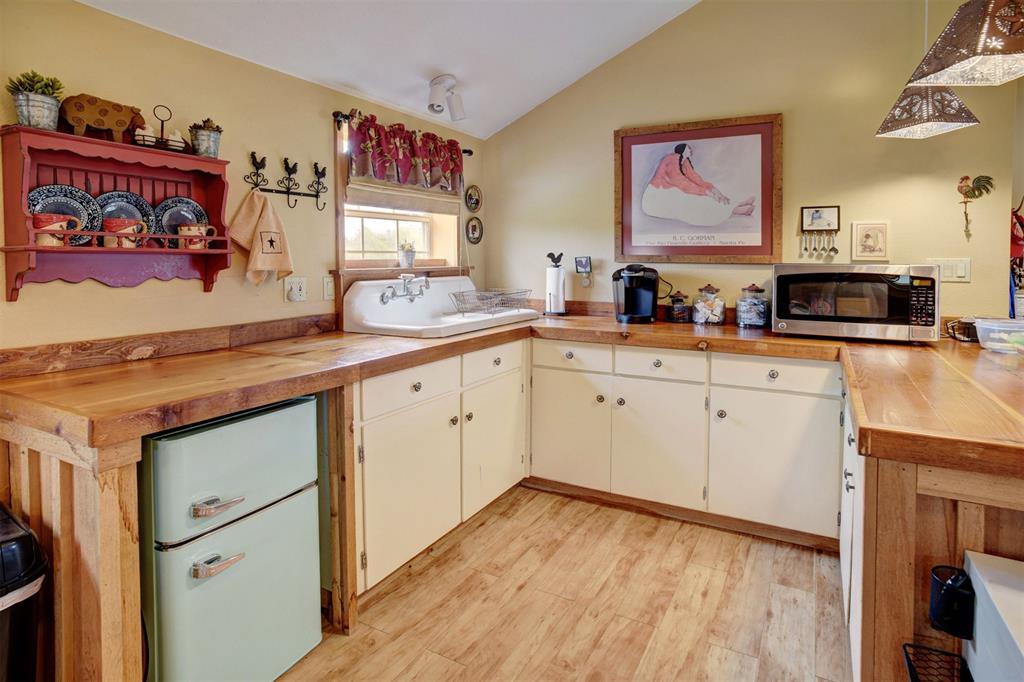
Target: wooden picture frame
869 241
659 235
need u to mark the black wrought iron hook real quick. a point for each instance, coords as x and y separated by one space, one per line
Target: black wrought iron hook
318 186
288 183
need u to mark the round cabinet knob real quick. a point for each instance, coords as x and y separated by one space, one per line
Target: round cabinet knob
657 363
703 345
773 374
469 416
600 398
850 487
850 440
620 402
721 414
417 387
497 362
454 421
569 355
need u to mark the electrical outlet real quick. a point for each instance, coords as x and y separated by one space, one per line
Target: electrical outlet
295 289
328 288
953 269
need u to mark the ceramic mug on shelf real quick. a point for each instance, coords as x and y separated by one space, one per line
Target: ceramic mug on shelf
123 226
47 224
191 233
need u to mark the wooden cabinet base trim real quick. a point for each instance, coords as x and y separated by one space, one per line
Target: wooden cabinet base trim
968 486
682 514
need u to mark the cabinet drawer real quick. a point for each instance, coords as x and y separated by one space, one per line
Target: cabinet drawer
681 365
407 387
489 362
247 461
783 374
593 357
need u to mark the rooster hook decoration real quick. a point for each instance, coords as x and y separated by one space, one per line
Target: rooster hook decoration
970 190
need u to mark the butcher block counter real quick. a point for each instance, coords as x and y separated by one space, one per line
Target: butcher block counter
942 429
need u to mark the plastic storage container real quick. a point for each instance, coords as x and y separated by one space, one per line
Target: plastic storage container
22 568
1002 336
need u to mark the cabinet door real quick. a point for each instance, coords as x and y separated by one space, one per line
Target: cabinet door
572 427
774 458
411 474
846 509
857 564
493 440
658 441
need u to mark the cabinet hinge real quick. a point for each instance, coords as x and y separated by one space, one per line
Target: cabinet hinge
522 388
839 518
842 419
360 454
362 560
704 494
707 403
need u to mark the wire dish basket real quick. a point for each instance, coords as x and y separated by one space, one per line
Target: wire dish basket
489 301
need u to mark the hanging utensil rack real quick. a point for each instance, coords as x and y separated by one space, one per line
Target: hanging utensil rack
289 186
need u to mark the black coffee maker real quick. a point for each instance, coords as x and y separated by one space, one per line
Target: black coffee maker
636 293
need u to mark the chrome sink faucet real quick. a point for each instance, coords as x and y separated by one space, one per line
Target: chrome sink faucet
405 291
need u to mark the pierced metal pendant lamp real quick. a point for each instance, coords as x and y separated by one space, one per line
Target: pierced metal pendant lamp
983 44
923 111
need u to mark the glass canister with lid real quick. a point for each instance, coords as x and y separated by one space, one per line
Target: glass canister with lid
708 306
752 307
679 311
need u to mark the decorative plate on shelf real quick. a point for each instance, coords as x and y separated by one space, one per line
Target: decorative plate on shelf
68 200
175 211
126 205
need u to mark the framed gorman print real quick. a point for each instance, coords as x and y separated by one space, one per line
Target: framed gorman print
701 192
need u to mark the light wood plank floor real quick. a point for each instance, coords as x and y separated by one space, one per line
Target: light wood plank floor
538 586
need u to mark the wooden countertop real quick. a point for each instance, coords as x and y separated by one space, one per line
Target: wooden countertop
950 404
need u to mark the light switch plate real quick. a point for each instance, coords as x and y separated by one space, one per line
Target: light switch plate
953 269
328 288
295 289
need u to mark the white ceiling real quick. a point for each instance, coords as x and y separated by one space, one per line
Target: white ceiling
508 55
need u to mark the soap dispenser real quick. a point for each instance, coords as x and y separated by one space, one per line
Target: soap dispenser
554 300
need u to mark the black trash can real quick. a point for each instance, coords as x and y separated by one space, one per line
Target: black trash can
22 568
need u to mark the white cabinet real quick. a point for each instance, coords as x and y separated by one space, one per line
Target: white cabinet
851 539
571 427
774 458
846 508
411 479
658 441
493 440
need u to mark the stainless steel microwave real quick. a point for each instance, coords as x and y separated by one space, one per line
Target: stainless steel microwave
890 302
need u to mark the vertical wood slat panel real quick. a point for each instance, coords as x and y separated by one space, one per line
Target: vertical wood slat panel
5 473
341 459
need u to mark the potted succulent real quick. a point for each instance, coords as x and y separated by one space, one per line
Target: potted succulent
206 138
36 99
406 255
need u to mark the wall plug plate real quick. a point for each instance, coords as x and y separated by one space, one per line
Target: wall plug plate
295 289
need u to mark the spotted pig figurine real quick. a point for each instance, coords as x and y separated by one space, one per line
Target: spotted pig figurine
88 111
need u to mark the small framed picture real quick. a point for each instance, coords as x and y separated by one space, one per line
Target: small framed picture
583 266
474 198
870 240
474 230
819 218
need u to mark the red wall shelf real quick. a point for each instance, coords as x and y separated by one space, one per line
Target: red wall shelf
32 158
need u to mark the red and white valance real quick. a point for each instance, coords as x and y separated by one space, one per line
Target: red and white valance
395 155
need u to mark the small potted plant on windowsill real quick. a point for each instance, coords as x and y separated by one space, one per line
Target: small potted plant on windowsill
406 255
36 99
206 138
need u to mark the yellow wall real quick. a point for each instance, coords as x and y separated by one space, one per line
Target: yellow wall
260 110
833 69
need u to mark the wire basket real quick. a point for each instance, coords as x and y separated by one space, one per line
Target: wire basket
925 664
489 301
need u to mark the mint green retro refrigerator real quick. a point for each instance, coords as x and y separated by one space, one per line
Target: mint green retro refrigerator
230 551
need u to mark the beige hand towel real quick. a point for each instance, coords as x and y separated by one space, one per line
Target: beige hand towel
258 229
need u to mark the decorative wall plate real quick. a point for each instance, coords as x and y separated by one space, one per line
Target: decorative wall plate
175 211
474 230
474 198
126 205
68 200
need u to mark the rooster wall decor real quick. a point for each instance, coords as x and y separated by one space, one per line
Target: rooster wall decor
970 190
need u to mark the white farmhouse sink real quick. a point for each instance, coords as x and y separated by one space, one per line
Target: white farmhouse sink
431 316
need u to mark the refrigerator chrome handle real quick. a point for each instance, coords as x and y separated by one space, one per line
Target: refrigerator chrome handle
201 570
212 506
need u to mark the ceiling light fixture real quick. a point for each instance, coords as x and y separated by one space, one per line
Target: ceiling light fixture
923 111
983 44
444 98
